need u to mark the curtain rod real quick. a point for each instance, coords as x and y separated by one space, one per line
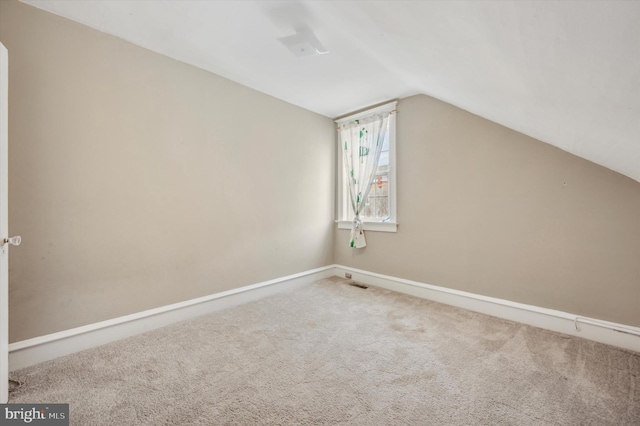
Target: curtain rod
393 111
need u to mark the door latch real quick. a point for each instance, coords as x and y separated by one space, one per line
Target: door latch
14 241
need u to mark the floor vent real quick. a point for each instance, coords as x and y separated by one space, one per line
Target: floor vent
358 285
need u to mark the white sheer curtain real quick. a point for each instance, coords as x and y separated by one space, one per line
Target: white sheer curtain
361 141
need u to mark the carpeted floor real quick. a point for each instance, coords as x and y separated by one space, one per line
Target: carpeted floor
331 353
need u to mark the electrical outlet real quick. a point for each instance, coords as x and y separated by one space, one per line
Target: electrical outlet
347 275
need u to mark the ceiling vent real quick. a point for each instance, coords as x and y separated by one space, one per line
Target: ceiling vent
304 43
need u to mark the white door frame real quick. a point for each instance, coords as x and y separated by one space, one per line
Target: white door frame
4 222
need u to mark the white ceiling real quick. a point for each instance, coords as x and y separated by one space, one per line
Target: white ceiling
564 72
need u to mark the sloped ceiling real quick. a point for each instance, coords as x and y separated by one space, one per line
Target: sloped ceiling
564 72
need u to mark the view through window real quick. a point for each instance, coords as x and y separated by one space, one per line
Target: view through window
377 205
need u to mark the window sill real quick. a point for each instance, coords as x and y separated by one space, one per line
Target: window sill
370 226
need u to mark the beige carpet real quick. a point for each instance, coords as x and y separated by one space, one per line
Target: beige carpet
330 353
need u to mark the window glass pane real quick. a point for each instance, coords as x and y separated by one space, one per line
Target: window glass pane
382 207
382 184
384 154
369 208
384 159
377 207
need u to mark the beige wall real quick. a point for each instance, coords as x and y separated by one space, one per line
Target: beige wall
488 210
138 181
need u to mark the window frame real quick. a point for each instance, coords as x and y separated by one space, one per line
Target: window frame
342 202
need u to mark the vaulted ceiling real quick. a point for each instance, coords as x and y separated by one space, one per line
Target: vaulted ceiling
564 72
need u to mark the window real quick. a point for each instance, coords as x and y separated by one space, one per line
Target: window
379 213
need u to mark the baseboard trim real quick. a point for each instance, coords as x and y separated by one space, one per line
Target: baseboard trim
44 348
619 335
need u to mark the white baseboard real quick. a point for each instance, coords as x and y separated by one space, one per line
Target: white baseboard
622 336
39 349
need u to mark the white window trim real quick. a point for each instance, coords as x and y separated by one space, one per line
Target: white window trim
392 224
370 226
